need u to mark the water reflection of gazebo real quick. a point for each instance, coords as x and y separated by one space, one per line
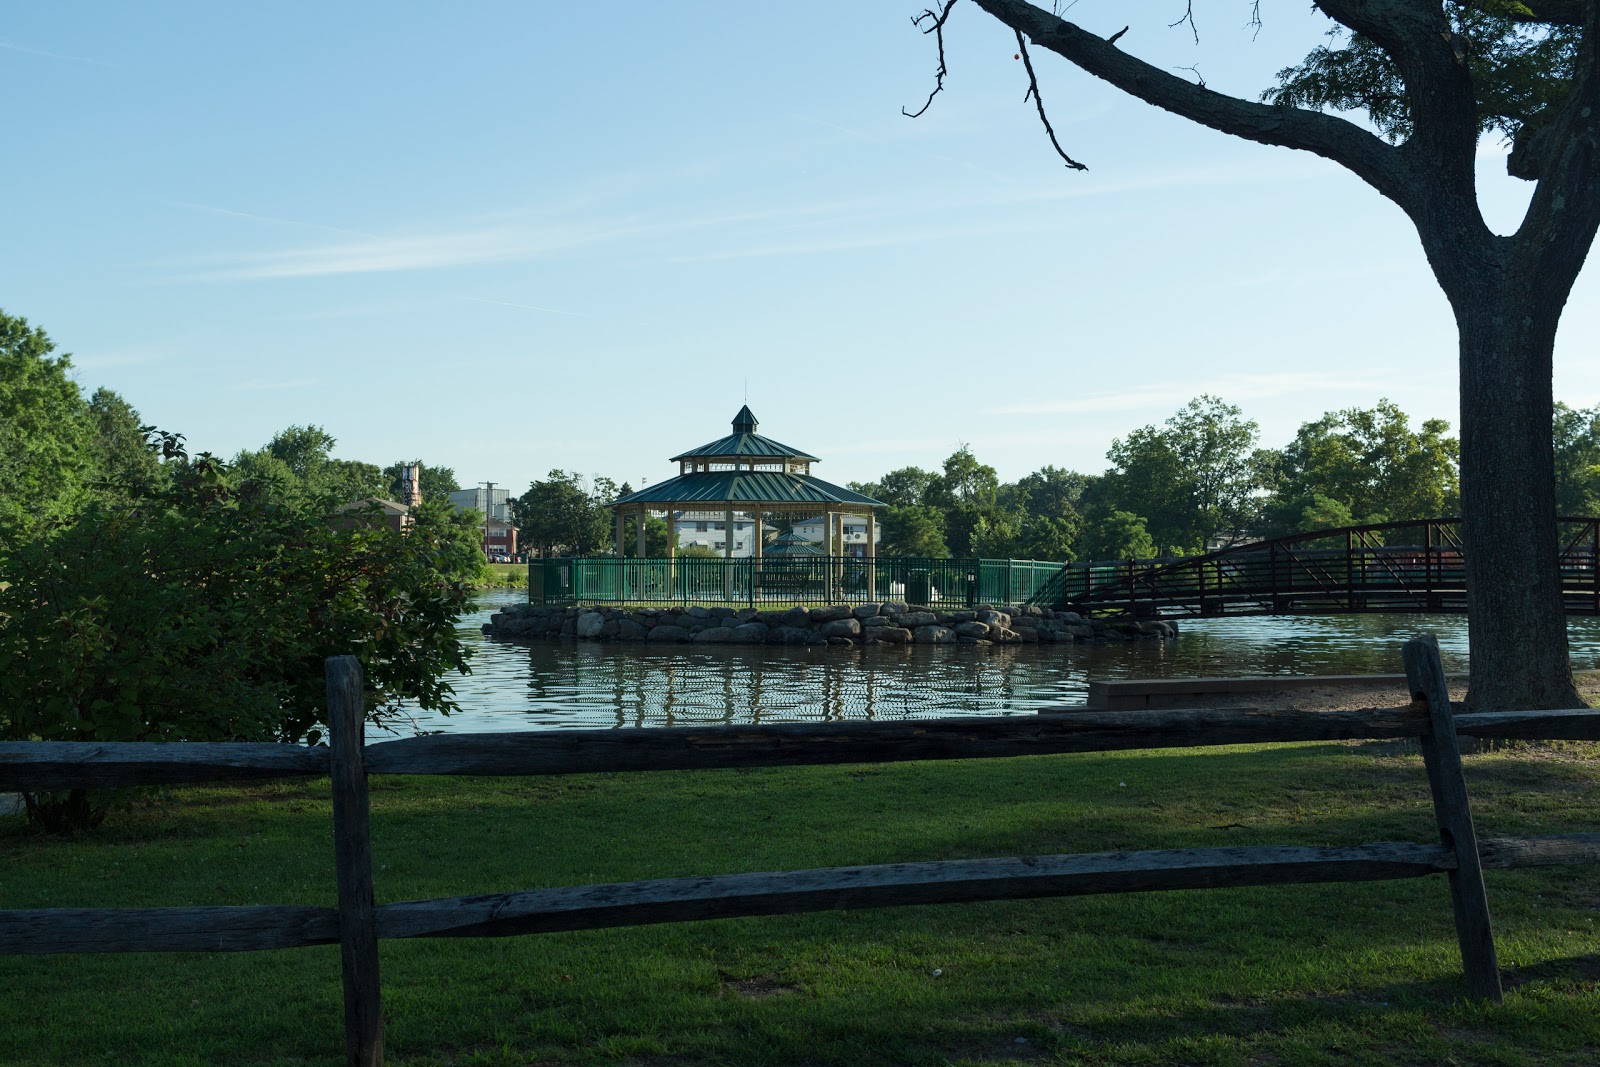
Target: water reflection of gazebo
747 474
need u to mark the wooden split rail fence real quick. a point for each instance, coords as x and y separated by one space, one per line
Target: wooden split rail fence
358 923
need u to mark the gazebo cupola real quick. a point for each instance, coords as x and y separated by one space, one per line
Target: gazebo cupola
747 474
744 450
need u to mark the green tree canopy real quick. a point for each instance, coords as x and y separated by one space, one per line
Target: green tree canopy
913 530
1577 454
124 467
203 611
1191 478
45 429
562 512
906 487
298 461
1369 462
1109 534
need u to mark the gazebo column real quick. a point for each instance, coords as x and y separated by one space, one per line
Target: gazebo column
872 552
639 517
832 543
622 542
759 533
727 556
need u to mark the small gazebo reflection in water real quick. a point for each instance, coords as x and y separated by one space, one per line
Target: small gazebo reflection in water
747 475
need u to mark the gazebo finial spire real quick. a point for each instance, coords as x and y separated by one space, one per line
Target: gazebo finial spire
745 421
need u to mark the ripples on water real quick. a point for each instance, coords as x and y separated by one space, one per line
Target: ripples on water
573 684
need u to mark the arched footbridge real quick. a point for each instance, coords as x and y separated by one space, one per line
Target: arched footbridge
1414 566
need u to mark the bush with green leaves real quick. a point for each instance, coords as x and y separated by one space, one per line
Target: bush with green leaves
203 611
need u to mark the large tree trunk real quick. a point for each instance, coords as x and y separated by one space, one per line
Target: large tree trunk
1516 622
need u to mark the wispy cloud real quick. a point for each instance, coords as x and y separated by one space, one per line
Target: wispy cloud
529 307
273 220
12 46
1173 394
670 235
259 385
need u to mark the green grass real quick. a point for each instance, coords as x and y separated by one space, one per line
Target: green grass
1364 974
506 575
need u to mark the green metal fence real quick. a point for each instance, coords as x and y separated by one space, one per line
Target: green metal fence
785 580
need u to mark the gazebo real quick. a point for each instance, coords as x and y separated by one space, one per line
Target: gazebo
747 474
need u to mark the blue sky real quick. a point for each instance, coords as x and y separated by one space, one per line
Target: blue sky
513 237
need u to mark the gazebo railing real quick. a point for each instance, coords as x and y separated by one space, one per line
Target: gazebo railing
778 581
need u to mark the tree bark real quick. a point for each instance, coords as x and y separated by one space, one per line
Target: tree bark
1516 622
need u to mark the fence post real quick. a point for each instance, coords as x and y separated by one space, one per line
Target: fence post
1451 807
352 849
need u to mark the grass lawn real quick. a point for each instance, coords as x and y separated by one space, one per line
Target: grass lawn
513 575
1365 974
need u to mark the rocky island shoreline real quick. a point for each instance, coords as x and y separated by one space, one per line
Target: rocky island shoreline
841 625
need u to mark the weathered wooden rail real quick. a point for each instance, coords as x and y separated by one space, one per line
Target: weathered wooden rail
358 923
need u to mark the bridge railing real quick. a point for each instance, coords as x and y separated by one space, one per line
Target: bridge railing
1412 566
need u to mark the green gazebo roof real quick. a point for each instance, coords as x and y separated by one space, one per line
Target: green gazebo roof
747 487
792 544
744 442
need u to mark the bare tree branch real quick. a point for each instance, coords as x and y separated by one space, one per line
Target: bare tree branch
1379 164
1188 16
937 20
1033 91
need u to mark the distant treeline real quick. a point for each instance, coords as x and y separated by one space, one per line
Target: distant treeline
1199 479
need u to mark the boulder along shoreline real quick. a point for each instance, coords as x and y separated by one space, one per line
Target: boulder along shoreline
840 625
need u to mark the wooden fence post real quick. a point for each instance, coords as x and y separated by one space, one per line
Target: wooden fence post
1453 810
352 848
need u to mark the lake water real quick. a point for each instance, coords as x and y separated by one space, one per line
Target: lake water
587 684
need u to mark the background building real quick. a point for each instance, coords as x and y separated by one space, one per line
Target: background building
500 535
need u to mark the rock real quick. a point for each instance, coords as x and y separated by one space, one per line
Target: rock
973 629
934 635
867 611
698 612
790 635
667 632
1028 635
828 614
963 616
795 617
628 630
995 618
877 622
840 628
894 607
886 635
775 618
1082 632
729 621
841 642
913 619
749 633
746 614
714 635
1071 618
609 628
724 613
